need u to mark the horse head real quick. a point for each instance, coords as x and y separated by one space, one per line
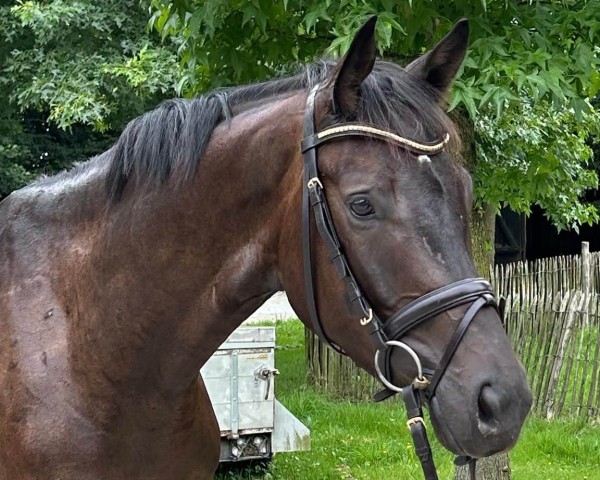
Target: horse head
385 189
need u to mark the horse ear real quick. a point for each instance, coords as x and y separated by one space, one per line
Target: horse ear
354 68
439 66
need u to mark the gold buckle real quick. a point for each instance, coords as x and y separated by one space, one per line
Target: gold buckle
414 421
420 383
314 181
366 320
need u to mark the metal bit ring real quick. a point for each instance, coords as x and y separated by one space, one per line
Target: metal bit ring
419 382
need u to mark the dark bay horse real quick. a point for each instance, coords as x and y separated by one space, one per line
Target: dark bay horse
120 278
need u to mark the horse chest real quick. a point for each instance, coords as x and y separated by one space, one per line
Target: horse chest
52 437
50 427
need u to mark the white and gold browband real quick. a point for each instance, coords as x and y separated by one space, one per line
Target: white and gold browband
348 128
357 129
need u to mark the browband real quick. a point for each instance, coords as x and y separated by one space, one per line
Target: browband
363 130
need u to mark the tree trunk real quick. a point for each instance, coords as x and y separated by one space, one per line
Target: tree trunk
483 225
491 468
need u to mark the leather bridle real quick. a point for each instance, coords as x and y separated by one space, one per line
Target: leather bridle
384 334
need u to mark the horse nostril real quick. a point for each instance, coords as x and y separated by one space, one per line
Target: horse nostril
490 409
486 403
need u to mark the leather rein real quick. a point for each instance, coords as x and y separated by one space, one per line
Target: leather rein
384 334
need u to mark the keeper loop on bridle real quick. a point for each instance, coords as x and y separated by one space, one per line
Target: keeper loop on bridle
314 182
412 421
365 320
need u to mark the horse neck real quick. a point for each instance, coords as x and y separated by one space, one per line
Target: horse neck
176 270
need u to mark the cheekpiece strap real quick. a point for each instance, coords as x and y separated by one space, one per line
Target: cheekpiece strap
310 172
314 195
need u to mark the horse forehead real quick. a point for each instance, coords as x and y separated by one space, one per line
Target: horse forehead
350 156
358 160
440 168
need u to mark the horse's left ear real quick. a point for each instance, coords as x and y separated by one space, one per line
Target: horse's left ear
354 68
439 66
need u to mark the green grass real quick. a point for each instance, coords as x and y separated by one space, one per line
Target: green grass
370 441
557 450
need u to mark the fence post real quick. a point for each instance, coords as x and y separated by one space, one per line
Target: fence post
585 267
586 272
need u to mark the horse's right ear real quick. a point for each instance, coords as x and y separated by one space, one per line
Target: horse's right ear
353 69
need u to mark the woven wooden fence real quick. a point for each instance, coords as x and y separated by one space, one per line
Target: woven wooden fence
552 320
549 275
336 374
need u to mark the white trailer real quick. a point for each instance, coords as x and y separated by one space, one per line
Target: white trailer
240 379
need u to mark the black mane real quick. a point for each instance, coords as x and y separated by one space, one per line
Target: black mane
174 136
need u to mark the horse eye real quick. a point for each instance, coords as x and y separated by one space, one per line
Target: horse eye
362 207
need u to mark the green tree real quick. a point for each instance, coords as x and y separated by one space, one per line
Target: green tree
71 74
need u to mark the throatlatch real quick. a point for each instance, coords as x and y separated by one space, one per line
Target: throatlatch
385 335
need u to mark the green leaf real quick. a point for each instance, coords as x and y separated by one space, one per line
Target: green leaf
313 16
469 103
195 21
457 98
489 93
389 5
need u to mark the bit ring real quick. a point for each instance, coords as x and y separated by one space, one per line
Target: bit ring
420 378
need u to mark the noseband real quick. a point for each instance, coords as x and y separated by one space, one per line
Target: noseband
384 334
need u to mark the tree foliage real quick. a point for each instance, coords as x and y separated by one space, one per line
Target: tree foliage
539 155
84 61
70 69
531 65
